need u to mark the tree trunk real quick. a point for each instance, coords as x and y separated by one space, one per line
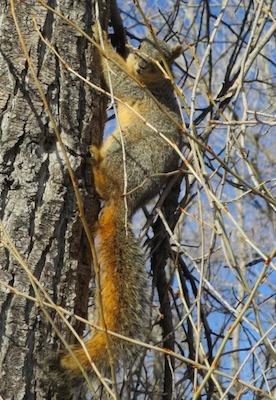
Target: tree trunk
38 206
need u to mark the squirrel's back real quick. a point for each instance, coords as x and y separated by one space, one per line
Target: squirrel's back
136 151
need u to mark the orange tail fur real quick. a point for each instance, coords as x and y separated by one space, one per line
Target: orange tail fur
123 293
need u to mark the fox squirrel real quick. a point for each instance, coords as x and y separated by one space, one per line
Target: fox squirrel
147 157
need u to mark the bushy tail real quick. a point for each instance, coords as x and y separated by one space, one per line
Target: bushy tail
123 293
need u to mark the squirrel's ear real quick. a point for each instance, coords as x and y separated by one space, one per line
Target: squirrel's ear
176 51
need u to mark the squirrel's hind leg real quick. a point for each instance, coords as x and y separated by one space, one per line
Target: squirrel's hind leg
107 185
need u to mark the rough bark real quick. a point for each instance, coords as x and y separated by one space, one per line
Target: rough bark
38 206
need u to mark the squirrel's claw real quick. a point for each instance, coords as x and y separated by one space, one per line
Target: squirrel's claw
97 33
95 155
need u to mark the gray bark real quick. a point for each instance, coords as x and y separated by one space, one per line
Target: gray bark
38 206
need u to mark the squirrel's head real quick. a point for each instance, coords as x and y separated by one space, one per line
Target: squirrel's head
143 62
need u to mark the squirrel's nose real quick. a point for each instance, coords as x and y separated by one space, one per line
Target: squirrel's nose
140 67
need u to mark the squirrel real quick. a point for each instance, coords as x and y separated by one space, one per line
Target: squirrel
148 157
